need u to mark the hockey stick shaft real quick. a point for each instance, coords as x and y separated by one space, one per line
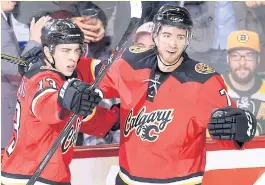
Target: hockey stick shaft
131 28
14 60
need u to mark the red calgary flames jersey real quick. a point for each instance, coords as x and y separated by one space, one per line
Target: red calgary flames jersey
38 121
86 69
164 117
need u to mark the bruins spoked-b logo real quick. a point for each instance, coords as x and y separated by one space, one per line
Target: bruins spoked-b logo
242 37
137 49
204 68
148 126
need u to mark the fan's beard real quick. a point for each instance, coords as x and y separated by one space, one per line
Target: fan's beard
244 80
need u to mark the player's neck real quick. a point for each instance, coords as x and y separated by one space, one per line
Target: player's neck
168 69
242 87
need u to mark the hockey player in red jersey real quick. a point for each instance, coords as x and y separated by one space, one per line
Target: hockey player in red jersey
168 101
48 95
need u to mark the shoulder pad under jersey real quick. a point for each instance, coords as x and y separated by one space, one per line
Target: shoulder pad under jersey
194 71
139 58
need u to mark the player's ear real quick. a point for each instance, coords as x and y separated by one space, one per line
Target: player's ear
47 53
154 35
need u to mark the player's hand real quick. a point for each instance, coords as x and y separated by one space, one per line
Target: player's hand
232 124
36 27
75 96
92 32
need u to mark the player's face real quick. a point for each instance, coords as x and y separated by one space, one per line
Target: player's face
145 41
66 57
242 64
170 42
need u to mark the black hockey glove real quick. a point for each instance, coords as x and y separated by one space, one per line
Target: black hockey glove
75 96
32 56
232 124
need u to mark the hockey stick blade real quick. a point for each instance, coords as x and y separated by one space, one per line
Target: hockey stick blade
14 60
134 23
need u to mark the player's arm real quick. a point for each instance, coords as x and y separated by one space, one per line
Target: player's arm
108 89
101 123
54 97
44 103
110 82
228 125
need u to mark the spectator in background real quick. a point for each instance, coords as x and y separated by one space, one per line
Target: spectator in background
122 16
10 77
94 34
244 85
143 37
150 8
213 22
259 8
254 4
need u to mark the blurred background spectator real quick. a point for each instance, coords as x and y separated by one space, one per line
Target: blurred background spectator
245 86
94 34
213 22
143 36
150 8
259 8
10 77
